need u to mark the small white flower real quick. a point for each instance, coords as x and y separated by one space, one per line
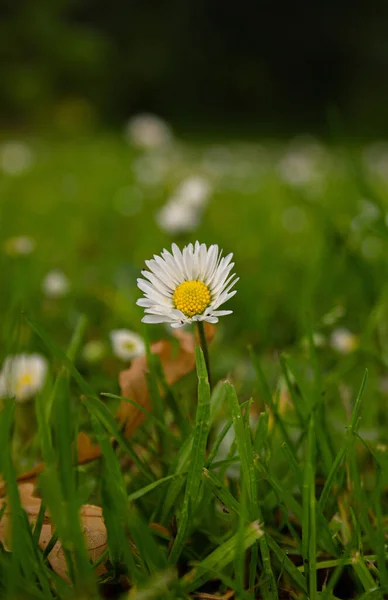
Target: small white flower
55 284
15 157
194 191
175 217
188 286
22 376
344 341
303 163
21 245
148 131
126 344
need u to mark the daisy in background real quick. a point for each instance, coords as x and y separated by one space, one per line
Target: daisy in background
55 284
175 218
22 376
126 344
344 341
20 245
183 211
147 131
188 286
15 157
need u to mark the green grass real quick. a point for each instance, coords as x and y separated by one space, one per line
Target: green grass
272 484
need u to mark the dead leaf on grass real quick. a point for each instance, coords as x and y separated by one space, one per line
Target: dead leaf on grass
133 381
92 522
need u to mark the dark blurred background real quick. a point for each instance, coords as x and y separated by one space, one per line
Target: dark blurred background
265 66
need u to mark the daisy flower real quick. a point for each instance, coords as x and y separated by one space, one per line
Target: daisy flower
22 376
21 245
344 341
55 284
148 132
186 286
175 217
126 344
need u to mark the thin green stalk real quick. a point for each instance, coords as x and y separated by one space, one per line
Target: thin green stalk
205 349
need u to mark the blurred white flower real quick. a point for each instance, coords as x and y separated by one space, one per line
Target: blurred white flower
183 210
21 245
193 192
174 217
22 376
93 351
148 131
302 163
126 344
344 341
55 284
15 157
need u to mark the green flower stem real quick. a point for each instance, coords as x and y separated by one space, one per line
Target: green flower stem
205 349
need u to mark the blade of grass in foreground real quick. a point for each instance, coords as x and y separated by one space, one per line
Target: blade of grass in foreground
220 558
194 475
245 450
149 415
309 532
267 394
115 505
26 561
156 587
342 452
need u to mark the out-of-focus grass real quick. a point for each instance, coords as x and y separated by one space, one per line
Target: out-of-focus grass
308 229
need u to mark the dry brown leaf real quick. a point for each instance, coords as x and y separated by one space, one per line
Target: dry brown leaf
92 522
133 382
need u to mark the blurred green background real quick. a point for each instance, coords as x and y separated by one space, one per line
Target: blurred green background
258 127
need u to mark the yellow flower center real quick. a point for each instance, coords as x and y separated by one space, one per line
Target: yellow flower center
23 381
192 297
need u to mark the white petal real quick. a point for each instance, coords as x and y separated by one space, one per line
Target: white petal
210 319
155 319
145 302
162 286
150 291
177 254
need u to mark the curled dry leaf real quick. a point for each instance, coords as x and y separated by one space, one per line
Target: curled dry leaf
133 382
92 522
